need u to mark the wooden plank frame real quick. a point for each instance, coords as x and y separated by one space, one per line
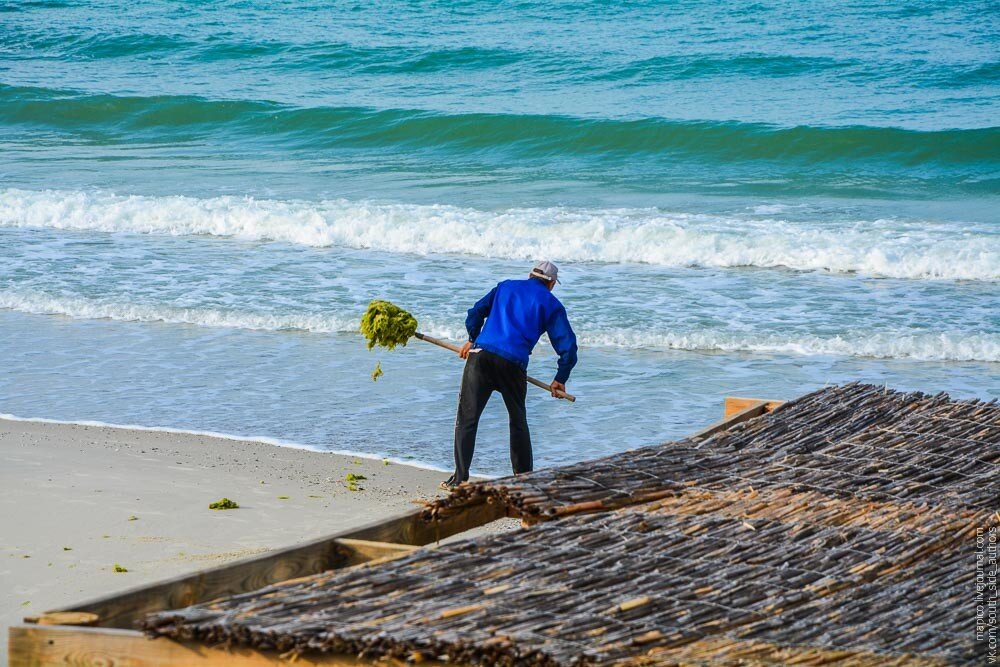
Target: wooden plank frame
737 410
114 642
62 645
122 610
735 405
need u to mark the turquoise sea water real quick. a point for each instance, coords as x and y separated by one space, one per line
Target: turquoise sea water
197 200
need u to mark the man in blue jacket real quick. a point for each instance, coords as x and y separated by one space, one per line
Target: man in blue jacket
503 328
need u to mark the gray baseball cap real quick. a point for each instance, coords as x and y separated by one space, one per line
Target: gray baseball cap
547 270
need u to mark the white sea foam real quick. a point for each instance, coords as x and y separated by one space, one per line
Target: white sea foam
891 345
918 347
769 209
80 308
881 247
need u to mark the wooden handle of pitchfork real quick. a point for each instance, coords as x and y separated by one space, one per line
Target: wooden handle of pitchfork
455 348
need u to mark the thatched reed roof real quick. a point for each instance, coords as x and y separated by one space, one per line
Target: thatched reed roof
806 559
857 440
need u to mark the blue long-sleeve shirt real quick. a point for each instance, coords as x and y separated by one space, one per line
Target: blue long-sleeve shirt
510 319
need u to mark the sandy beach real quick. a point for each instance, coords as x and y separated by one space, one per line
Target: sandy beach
77 500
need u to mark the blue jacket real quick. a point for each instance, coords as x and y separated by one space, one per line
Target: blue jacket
517 313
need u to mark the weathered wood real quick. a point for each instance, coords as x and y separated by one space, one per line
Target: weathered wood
412 529
755 409
121 610
67 618
734 405
366 551
33 646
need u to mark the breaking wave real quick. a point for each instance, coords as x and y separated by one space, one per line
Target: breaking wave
92 309
888 345
884 248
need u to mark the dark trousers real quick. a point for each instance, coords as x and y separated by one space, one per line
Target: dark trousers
485 373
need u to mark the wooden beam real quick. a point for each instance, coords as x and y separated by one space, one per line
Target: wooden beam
735 405
67 618
366 551
122 610
412 529
33 646
751 407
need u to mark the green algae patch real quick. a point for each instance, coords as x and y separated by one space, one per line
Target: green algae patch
387 325
224 504
282 497
120 568
352 481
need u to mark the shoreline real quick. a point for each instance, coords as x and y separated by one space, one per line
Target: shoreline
217 435
78 499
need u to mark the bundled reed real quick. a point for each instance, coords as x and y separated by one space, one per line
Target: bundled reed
662 583
838 530
855 440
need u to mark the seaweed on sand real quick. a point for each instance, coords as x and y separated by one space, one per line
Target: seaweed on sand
223 504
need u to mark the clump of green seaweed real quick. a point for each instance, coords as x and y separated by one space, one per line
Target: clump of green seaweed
352 481
120 568
387 325
223 504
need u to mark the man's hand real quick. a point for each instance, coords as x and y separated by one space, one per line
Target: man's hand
557 387
464 352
